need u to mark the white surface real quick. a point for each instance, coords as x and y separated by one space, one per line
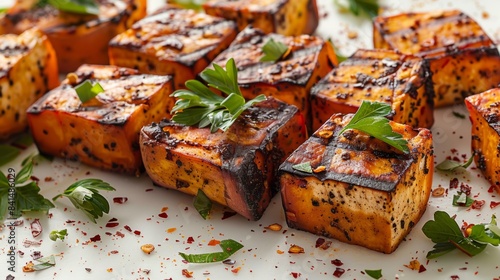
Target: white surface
259 259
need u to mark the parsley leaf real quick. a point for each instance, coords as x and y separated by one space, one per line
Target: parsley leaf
199 105
359 7
85 195
87 91
375 274
445 232
273 51
202 204
228 246
58 234
451 165
188 4
44 263
371 119
304 167
8 153
461 199
89 7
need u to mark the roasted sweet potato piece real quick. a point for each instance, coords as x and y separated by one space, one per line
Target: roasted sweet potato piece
463 59
77 38
402 81
484 111
289 79
172 41
28 69
236 168
361 190
287 17
103 132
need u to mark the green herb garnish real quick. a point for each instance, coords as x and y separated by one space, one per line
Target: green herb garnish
461 199
273 51
451 165
86 90
85 195
16 198
44 263
228 246
359 7
202 204
371 119
304 167
458 115
8 153
445 232
199 105
89 7
375 274
58 234
188 4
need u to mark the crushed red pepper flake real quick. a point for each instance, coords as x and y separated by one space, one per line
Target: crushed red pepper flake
213 242
186 273
494 204
295 249
295 274
190 240
120 200
96 238
322 243
236 270
478 204
163 215
338 272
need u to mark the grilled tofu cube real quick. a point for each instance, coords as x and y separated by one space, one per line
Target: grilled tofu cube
463 59
361 190
172 41
28 70
484 111
290 79
103 132
287 17
77 38
402 81
236 168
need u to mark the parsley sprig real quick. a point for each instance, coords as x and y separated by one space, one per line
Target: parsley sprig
18 196
199 105
445 232
360 7
371 119
451 165
228 246
85 196
273 51
58 234
88 7
202 204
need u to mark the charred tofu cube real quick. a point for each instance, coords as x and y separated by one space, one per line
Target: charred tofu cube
77 38
290 79
236 168
361 190
172 41
287 17
463 59
103 132
385 76
28 70
484 111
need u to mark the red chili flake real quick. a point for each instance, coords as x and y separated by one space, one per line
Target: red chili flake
127 228
478 204
187 274
108 233
36 228
213 242
95 238
149 190
322 243
338 272
421 269
465 189
34 178
20 253
190 240
295 274
491 189
36 255
163 215
137 232
119 233
113 222
227 214
70 222
454 183
337 262
114 252
28 243
454 277
229 262
88 269
48 179
120 200
494 204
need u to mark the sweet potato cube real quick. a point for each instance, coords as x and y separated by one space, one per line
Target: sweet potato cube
402 81
172 41
236 168
361 190
290 79
77 38
103 132
287 17
463 59
28 69
484 111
